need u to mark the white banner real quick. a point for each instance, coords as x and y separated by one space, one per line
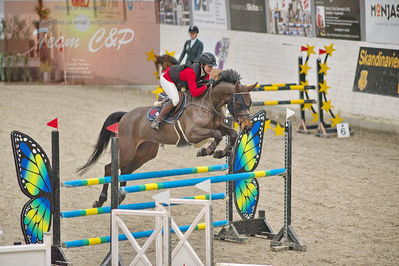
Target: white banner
210 14
382 21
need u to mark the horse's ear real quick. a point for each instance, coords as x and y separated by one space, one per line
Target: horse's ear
237 86
252 86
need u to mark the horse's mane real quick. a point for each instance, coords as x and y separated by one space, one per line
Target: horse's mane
228 75
173 60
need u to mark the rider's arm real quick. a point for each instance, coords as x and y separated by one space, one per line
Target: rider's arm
188 75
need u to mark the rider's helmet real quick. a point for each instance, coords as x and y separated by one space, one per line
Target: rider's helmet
207 59
193 29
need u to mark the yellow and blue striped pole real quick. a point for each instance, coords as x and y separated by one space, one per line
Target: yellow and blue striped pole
134 206
282 87
140 234
300 101
147 175
194 181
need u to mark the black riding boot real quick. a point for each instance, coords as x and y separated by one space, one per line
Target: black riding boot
165 110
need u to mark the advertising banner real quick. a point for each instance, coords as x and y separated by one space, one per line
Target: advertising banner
377 71
248 15
290 17
210 14
382 21
175 12
338 19
83 42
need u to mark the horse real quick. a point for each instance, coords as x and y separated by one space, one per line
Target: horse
162 62
202 119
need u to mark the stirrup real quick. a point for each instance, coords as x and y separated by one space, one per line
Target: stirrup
156 124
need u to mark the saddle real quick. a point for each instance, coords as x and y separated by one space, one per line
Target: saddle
173 116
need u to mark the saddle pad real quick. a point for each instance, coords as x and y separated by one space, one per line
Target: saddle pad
172 117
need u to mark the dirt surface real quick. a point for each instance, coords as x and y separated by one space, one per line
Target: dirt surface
345 191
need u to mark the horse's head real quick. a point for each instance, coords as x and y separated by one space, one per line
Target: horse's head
236 96
162 62
240 103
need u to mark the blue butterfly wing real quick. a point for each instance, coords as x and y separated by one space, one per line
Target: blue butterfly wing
246 157
33 174
36 219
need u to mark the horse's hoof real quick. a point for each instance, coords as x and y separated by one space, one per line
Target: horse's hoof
201 152
97 204
122 196
218 154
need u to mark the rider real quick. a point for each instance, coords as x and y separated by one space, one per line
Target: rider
189 76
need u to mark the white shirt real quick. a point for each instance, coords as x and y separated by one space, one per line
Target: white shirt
192 42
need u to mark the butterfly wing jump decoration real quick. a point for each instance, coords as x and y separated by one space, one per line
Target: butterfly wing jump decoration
34 179
246 157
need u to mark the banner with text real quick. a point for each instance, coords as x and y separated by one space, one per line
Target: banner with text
83 42
377 71
248 15
338 19
382 21
209 14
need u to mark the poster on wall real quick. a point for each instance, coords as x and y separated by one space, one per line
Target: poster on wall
377 71
175 12
248 15
382 21
338 19
210 14
83 42
219 47
290 17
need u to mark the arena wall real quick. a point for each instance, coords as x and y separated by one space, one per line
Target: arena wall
269 58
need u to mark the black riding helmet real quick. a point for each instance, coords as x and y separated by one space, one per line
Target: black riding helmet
207 59
193 29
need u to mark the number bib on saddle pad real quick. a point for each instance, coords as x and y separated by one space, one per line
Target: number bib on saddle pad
173 116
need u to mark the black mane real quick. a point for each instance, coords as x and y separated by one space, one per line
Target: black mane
230 76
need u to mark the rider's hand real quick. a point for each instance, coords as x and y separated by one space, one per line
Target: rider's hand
201 83
210 83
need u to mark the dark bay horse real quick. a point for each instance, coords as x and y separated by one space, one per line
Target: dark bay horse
162 62
202 119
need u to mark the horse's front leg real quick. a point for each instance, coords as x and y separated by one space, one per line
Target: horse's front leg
226 131
204 133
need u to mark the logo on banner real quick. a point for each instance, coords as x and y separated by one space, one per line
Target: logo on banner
386 10
362 83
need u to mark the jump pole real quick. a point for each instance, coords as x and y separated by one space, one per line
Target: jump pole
286 238
57 254
194 181
146 175
114 191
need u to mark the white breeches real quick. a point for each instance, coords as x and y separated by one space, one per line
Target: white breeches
170 89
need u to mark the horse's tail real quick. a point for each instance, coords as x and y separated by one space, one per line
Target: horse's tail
102 142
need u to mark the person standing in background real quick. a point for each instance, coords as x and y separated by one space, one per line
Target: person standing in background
193 47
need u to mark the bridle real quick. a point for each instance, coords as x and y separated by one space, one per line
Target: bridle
236 97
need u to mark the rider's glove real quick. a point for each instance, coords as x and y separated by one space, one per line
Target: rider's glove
210 83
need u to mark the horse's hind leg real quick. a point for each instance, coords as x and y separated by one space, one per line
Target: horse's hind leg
104 192
145 152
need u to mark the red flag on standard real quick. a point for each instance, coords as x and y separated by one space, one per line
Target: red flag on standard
321 51
303 48
53 123
113 128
